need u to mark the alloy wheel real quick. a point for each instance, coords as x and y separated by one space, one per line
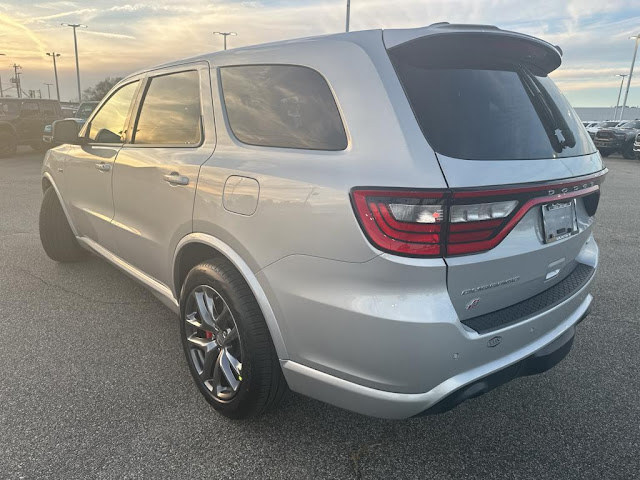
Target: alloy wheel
213 342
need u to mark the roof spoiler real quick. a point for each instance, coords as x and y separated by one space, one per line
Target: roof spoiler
461 38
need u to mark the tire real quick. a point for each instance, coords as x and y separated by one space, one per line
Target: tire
8 144
40 146
604 152
56 236
628 152
209 342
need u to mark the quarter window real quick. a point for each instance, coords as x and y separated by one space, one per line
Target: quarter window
170 113
109 123
282 106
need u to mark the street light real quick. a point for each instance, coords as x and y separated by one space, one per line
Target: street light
75 44
633 61
615 112
55 71
49 85
225 35
348 14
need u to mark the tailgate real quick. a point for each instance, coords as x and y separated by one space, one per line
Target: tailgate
523 173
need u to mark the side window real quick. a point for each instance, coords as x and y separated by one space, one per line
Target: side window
282 106
170 112
108 124
49 109
30 109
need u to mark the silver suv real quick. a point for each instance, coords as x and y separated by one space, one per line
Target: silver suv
389 221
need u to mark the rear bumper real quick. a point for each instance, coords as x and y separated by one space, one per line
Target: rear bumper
536 357
398 349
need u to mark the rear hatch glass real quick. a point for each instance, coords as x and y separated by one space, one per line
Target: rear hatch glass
480 100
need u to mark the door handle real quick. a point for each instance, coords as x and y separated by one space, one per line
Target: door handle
103 167
174 178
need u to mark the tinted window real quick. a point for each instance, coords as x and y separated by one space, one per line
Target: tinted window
170 113
282 106
30 109
632 124
49 109
8 108
108 124
488 109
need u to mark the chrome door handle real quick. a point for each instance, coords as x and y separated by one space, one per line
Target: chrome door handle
174 178
103 167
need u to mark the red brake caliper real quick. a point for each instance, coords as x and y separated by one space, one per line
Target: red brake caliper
208 335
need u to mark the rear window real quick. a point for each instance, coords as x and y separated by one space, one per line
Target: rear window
282 106
485 108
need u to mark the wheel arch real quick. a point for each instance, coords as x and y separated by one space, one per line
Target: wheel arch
8 127
49 182
198 247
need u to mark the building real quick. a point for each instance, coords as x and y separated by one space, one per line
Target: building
606 113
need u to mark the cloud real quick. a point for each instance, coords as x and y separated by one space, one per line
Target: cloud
592 33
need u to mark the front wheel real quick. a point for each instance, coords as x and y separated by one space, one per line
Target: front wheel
8 144
227 343
604 152
56 236
628 152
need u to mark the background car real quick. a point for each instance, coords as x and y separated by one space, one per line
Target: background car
618 139
80 116
22 121
593 129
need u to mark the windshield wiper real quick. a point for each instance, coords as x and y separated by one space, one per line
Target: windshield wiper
559 133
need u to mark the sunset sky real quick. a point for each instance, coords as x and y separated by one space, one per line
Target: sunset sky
126 36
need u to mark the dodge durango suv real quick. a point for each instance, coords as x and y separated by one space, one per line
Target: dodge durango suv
314 215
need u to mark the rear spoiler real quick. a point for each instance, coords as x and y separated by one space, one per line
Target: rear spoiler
454 41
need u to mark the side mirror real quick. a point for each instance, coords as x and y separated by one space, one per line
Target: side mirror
65 131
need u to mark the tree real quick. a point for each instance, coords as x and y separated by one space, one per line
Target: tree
100 89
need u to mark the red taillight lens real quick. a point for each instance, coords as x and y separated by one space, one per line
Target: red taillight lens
428 223
404 222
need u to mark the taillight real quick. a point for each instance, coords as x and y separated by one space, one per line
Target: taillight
437 223
404 222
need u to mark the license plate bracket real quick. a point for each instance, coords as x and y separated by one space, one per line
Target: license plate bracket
559 220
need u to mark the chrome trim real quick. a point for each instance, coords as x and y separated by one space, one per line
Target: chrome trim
160 290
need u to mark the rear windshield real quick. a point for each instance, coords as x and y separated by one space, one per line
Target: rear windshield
488 109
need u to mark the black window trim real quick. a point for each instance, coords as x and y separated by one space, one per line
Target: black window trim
139 102
87 126
232 134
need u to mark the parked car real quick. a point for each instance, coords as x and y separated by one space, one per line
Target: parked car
592 130
618 139
383 262
636 146
80 116
22 121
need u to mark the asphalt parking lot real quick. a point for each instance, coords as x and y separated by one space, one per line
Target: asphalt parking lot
93 382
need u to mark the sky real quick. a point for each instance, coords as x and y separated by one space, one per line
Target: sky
126 36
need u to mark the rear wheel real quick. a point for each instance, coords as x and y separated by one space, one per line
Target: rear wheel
56 236
628 152
227 343
8 144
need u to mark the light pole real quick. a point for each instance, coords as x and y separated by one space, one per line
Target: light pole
225 35
615 112
75 44
1 92
49 85
633 61
348 14
16 78
55 71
